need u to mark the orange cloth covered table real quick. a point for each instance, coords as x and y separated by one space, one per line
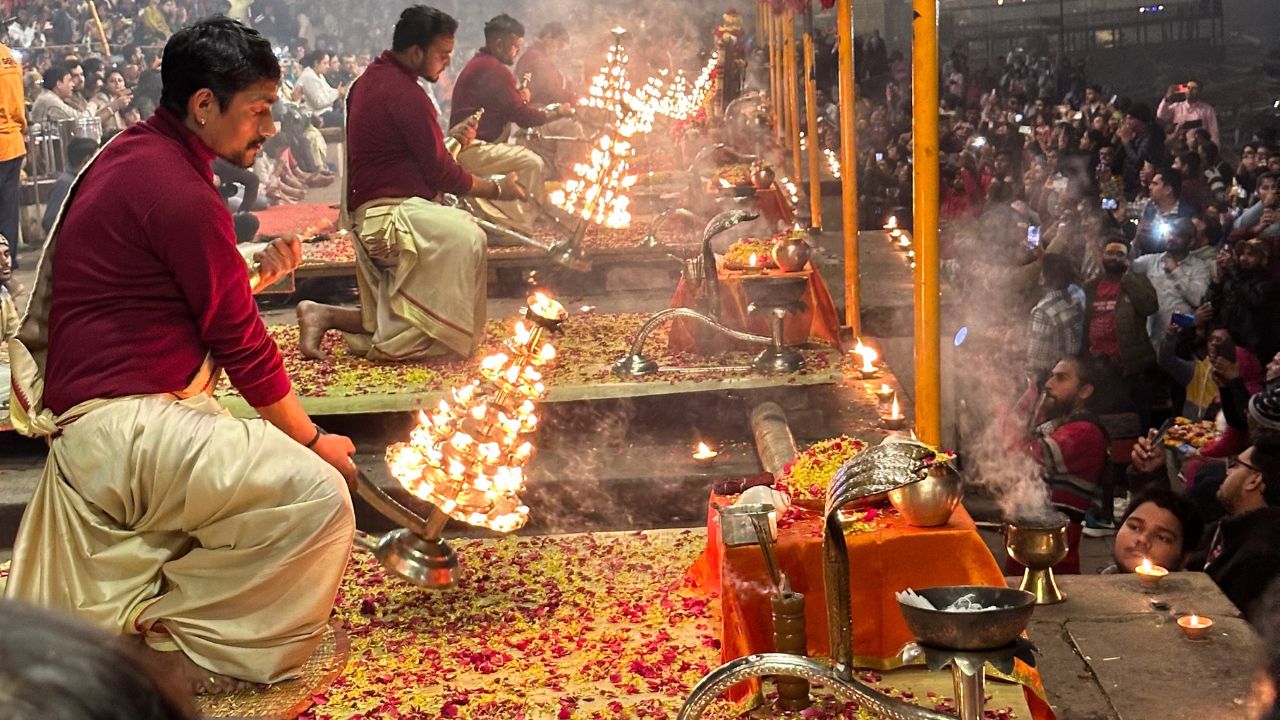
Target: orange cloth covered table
818 321
886 556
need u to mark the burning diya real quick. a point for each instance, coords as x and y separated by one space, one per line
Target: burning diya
869 356
704 456
885 393
1195 627
1150 574
467 456
894 420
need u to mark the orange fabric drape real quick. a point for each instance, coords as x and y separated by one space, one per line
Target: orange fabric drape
892 557
817 322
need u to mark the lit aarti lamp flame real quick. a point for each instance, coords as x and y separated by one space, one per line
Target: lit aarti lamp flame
704 455
869 357
895 420
467 456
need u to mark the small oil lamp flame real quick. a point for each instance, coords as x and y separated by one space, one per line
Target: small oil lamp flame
892 224
869 357
1194 626
885 393
725 183
704 455
1150 574
895 421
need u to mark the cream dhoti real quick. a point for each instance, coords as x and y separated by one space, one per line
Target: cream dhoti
421 270
219 537
484 159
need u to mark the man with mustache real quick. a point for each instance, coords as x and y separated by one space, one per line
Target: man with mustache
1117 305
214 542
420 265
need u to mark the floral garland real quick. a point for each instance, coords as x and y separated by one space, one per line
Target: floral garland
807 478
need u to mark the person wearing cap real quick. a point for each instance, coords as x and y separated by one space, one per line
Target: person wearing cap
1188 113
1246 299
1117 304
1138 140
1242 551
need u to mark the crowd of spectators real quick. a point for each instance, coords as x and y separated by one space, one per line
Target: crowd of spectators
1133 258
1110 253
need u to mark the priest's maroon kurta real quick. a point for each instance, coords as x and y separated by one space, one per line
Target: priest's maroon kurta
546 83
486 83
147 279
395 147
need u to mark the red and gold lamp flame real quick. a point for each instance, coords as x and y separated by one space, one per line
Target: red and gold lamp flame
467 456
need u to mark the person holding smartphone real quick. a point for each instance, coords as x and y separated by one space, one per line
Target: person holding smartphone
1183 107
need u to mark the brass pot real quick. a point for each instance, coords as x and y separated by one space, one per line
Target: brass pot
930 502
762 176
791 252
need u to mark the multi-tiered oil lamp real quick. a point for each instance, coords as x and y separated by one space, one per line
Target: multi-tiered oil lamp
467 456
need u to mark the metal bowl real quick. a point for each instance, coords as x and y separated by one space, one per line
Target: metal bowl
774 290
931 501
970 631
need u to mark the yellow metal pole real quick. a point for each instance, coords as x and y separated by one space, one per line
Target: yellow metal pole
924 133
775 72
793 95
102 33
811 123
848 167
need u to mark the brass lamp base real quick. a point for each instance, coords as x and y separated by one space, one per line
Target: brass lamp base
1040 582
426 563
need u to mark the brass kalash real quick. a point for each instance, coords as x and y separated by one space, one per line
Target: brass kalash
466 457
962 640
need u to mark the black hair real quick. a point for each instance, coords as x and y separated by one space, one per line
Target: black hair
1266 457
1188 514
79 150
217 53
1190 164
419 26
1274 177
313 57
553 31
1058 273
53 667
54 75
1088 370
1172 178
503 24
92 65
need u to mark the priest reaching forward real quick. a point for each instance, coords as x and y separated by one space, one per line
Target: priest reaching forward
420 265
215 542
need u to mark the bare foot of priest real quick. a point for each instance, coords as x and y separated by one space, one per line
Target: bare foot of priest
312 326
182 670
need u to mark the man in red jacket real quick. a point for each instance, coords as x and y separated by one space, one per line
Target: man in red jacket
486 82
214 541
